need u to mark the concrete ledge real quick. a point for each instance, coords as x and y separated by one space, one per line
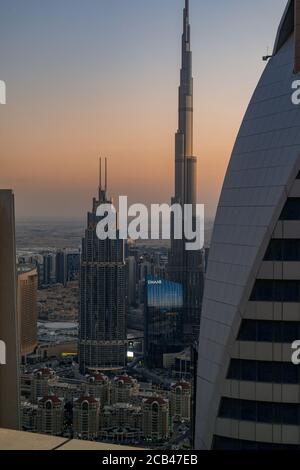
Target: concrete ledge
18 440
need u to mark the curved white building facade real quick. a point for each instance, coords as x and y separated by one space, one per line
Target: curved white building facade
248 390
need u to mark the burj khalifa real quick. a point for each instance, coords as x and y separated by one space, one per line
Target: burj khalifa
186 267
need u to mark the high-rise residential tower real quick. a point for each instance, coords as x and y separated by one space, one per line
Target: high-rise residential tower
102 328
9 329
248 394
27 307
186 267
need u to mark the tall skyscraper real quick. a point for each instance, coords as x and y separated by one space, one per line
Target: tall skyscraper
27 307
248 394
163 320
102 328
9 330
186 267
61 267
49 274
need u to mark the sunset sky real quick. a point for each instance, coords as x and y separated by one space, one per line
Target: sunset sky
99 77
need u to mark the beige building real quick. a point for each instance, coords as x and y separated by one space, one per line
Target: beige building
9 330
86 412
50 416
40 384
27 307
155 421
29 416
180 401
121 435
67 391
98 386
121 415
123 388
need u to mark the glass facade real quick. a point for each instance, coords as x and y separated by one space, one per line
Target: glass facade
276 291
226 443
264 372
260 412
291 210
163 320
269 331
283 250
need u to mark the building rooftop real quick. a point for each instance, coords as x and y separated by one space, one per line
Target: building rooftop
183 385
87 398
55 400
125 379
159 400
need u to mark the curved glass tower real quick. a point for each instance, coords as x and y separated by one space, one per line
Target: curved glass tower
248 391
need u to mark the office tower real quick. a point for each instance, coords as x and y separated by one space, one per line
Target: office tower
102 328
186 267
123 388
61 267
131 279
248 393
163 320
50 416
9 329
73 266
86 413
180 401
155 419
48 270
27 285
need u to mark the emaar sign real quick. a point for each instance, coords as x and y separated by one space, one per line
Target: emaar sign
2 92
2 353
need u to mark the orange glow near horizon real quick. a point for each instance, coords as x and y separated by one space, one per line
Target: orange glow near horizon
85 88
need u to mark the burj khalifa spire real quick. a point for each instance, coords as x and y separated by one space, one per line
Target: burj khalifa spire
186 267
185 162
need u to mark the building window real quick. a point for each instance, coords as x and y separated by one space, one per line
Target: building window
260 412
261 371
225 443
283 250
291 210
276 291
269 331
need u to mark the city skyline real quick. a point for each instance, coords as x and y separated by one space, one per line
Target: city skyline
83 95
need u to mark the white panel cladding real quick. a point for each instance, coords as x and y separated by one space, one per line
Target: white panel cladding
279 270
273 311
254 351
248 431
263 167
266 392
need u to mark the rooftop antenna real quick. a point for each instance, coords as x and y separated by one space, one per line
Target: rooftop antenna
100 175
105 174
268 56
